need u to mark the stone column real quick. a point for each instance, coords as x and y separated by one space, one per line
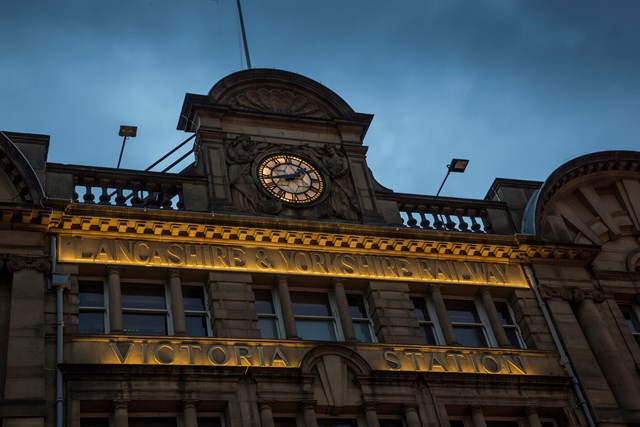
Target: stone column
411 416
532 417
478 417
309 413
266 416
189 414
120 414
115 300
287 309
494 318
343 311
620 380
370 414
177 303
443 317
26 378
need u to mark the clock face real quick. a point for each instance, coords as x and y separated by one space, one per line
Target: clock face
290 179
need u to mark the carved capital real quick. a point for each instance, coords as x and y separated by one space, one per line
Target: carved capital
120 404
571 294
16 263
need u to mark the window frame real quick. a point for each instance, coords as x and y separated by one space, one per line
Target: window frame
276 315
93 309
433 322
334 317
514 326
168 317
193 313
367 320
635 310
483 324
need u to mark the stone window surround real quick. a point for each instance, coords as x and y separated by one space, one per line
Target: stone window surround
175 310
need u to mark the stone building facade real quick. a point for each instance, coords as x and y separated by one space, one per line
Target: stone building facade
275 283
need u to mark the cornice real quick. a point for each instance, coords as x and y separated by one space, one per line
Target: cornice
169 225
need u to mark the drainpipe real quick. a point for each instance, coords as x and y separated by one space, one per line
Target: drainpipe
60 282
564 358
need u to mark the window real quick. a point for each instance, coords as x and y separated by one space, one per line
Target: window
94 422
209 422
284 422
92 317
360 318
314 315
268 319
195 311
337 423
390 423
152 422
631 315
422 312
468 326
144 309
509 325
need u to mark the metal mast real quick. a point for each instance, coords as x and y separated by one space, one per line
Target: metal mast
244 36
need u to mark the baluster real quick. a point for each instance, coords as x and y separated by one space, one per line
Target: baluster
120 198
105 198
475 226
424 223
411 221
450 225
152 195
462 223
88 195
180 204
488 228
75 192
437 221
165 202
136 201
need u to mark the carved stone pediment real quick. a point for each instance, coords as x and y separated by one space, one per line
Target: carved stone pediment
277 101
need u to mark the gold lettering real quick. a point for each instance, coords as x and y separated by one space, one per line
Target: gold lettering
497 273
139 252
157 254
279 357
211 355
389 266
414 356
317 261
435 362
190 348
104 252
392 359
123 251
302 262
236 257
175 253
426 268
402 265
163 353
490 363
348 264
516 362
288 258
242 353
122 357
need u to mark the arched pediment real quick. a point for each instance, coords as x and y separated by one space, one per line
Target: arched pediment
18 181
592 199
279 92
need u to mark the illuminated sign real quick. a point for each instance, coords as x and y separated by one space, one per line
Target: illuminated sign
290 354
307 262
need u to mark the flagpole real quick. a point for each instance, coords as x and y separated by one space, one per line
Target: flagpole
244 36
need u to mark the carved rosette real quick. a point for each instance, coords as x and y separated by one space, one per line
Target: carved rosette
572 294
277 101
16 263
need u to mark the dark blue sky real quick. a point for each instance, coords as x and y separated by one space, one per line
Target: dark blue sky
518 87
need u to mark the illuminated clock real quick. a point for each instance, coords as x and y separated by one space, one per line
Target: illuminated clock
291 179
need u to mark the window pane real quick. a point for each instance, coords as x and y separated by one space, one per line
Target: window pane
337 423
356 307
390 423
91 322
316 329
152 422
284 422
268 328
504 314
630 317
363 331
91 294
193 297
144 324
310 303
143 296
264 301
428 337
420 309
470 336
94 422
502 424
209 422
462 311
196 325
512 334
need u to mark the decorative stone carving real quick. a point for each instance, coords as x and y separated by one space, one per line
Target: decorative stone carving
277 101
572 294
19 263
